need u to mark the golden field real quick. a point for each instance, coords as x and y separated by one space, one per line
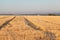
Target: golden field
29 27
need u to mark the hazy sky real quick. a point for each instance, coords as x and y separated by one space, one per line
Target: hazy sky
29 5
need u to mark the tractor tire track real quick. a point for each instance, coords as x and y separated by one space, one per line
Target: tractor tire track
5 23
48 34
29 23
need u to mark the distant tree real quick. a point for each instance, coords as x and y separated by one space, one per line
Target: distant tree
52 14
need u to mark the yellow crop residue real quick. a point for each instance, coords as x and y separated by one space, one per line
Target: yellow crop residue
29 27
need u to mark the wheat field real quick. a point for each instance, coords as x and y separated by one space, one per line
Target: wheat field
29 27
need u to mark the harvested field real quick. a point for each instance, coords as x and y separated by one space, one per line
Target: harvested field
29 27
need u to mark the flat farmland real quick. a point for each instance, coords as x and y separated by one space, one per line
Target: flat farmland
29 27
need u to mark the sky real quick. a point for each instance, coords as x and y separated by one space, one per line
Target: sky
30 5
